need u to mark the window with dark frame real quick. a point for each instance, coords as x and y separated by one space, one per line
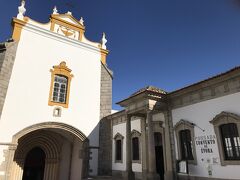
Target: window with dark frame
60 89
231 141
135 148
186 144
118 150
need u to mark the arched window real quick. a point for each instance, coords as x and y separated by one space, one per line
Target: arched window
231 141
227 128
136 146
60 85
118 148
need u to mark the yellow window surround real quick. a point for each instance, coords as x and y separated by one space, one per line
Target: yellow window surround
61 70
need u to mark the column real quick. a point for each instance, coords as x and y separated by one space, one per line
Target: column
10 162
144 148
169 174
129 173
152 174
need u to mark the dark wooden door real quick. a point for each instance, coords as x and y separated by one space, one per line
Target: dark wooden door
34 165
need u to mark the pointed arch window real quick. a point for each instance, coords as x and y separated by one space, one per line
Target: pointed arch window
60 85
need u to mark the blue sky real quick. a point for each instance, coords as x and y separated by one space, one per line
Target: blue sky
164 43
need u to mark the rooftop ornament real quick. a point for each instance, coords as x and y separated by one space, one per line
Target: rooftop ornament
69 12
55 11
21 10
81 21
104 41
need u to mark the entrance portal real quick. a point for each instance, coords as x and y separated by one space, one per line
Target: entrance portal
49 151
159 154
34 165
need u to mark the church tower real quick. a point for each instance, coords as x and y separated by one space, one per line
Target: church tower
55 87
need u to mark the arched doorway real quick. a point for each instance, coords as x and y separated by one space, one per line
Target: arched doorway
62 151
34 165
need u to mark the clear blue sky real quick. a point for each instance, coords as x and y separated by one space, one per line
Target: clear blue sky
165 43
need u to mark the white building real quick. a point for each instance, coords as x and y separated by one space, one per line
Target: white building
190 133
55 87
56 121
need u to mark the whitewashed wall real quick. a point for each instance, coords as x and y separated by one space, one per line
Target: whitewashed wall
200 114
28 92
121 128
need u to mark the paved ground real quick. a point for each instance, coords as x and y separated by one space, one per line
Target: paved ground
101 178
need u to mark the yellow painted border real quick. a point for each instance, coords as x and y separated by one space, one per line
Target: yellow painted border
17 27
104 54
63 70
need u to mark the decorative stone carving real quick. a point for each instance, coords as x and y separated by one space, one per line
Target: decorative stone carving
81 21
104 41
21 10
55 11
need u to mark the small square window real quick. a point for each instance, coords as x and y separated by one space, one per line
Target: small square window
57 112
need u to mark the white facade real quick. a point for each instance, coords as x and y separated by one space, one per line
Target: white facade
200 114
121 129
40 47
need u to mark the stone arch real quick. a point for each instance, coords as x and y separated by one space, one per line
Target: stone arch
49 125
48 137
47 142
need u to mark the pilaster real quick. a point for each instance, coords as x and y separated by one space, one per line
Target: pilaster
152 174
129 174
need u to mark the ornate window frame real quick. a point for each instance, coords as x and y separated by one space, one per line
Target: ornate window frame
136 134
217 121
117 137
185 125
61 70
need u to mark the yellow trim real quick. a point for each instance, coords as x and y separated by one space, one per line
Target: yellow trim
60 69
56 19
17 27
104 54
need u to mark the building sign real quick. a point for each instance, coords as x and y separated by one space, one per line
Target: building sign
205 143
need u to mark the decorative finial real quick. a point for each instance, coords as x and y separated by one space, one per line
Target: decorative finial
81 21
21 10
69 12
55 11
104 41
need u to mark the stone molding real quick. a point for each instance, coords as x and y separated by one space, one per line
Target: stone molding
118 136
185 125
50 125
222 85
40 135
137 134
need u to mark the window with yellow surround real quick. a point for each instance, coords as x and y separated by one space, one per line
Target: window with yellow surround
60 85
